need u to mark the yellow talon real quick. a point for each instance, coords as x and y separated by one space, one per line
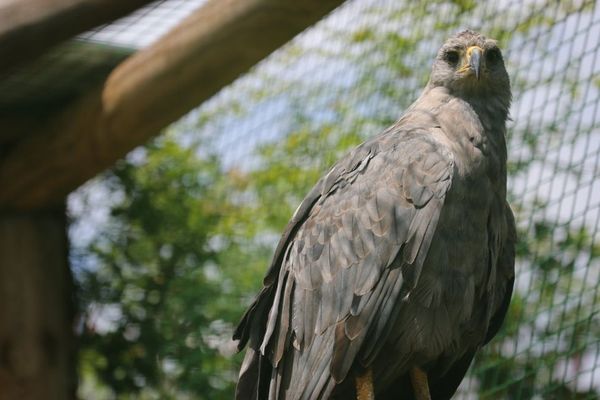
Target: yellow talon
420 385
364 386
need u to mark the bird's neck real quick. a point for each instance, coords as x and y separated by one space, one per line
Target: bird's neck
458 114
464 123
491 109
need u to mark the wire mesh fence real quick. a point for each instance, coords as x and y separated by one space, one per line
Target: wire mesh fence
362 66
354 73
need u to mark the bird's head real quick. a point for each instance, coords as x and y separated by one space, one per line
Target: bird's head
472 65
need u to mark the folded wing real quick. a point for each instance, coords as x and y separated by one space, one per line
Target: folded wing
353 249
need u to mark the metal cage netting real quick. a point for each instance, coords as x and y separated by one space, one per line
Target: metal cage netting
354 73
357 70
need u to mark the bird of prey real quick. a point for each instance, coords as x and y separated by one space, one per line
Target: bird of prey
398 266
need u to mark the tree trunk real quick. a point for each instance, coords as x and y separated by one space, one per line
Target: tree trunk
37 351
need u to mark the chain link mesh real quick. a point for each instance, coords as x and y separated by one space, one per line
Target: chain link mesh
360 67
353 74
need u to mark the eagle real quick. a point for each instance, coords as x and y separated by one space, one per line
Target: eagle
398 266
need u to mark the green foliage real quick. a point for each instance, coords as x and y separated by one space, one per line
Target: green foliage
183 245
156 270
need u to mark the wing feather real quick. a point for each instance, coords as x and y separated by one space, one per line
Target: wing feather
353 248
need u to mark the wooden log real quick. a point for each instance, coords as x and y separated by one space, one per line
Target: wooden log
147 92
37 351
29 27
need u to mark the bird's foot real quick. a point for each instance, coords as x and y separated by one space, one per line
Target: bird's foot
364 385
418 379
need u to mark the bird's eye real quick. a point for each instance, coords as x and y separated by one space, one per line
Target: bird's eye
493 55
451 56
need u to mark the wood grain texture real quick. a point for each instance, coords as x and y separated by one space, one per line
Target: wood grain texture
148 91
29 27
36 339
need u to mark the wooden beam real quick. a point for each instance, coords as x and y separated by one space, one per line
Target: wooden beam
147 92
29 27
37 355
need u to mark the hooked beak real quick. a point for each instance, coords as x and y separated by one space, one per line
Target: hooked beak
474 54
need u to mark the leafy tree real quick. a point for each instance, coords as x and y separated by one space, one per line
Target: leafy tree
155 268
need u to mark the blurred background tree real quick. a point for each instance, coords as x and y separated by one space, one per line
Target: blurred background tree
191 225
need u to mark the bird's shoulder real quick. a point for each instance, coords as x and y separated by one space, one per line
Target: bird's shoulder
404 166
379 194
363 241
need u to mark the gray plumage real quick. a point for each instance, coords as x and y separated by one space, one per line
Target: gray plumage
402 255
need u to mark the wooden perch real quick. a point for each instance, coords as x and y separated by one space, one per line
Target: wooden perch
29 27
148 91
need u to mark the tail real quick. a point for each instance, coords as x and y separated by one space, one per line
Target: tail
253 383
